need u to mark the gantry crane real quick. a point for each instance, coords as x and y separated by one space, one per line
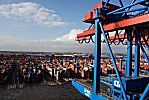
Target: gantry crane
130 23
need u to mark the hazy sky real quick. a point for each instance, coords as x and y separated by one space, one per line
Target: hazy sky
44 25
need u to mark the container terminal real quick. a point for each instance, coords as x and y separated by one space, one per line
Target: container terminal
44 76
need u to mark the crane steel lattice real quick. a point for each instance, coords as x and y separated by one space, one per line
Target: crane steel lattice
131 26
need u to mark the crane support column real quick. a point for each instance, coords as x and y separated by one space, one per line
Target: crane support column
144 53
113 61
146 91
97 55
129 54
137 54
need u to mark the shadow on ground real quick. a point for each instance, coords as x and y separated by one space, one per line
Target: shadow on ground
41 91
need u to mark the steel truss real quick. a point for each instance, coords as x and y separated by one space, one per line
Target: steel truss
131 26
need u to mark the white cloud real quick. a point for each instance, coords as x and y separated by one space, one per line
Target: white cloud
56 45
18 44
31 12
62 44
70 36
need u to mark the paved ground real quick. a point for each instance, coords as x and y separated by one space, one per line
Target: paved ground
42 91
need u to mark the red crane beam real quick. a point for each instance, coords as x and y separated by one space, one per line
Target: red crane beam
121 36
135 21
89 17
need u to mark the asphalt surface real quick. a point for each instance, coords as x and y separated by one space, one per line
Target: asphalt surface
42 91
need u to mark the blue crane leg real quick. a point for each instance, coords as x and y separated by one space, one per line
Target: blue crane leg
137 55
129 54
97 56
113 60
145 93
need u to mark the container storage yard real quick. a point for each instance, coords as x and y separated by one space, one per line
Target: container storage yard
86 76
